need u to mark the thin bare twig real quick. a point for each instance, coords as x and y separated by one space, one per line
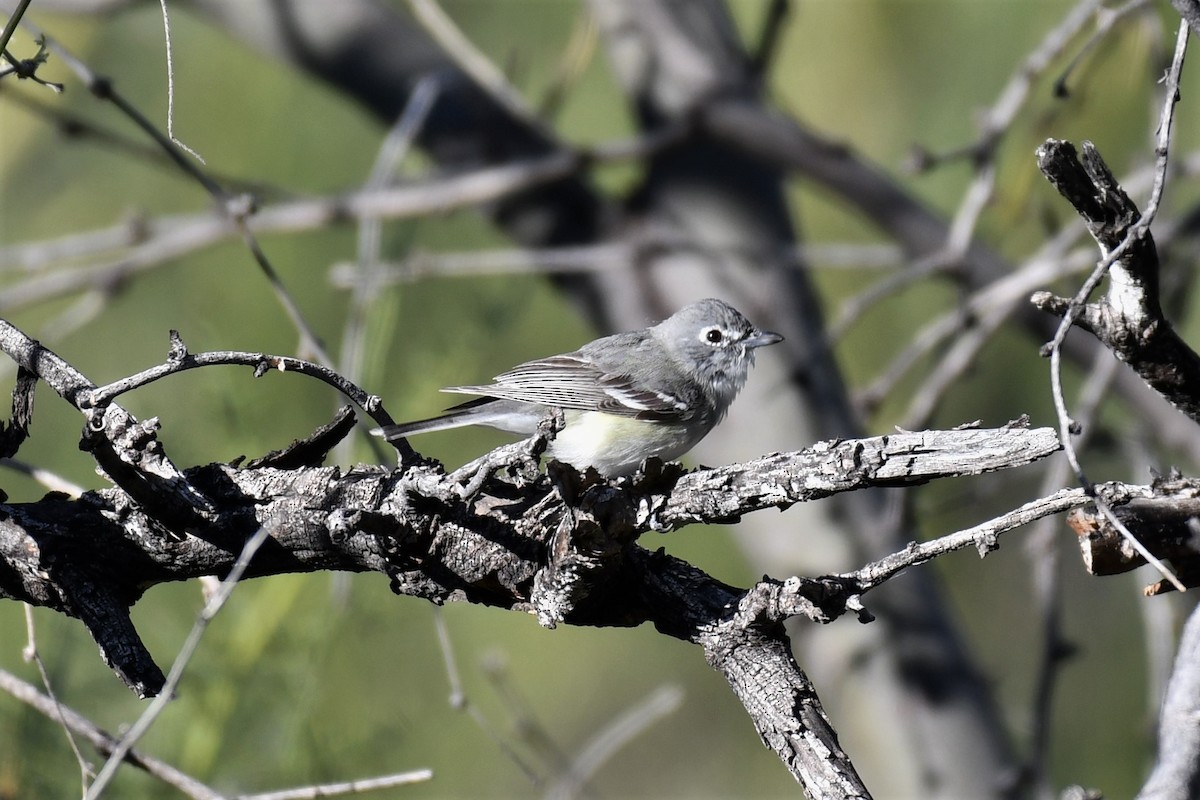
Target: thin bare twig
770 32
973 326
1016 92
460 701
826 598
630 724
1053 261
590 258
10 26
1001 297
80 128
1106 18
233 209
171 86
1042 553
103 741
53 482
360 786
365 291
471 60
160 241
26 68
982 536
30 653
261 362
103 89
1136 232
576 55
856 306
186 651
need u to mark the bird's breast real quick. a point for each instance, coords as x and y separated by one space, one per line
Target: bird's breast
617 445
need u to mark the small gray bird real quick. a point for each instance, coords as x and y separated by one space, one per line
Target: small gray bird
626 397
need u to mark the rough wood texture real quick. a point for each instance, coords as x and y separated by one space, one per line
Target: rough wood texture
558 544
1128 319
1164 517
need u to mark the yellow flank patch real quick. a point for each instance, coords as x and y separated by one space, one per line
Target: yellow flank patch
616 445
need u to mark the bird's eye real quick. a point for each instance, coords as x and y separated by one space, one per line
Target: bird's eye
713 336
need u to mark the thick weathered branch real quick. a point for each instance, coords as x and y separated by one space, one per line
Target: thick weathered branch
562 546
1189 10
1176 774
826 598
370 519
1165 521
1129 318
412 527
408 515
904 458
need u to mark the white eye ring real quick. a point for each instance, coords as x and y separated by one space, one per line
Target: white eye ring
713 336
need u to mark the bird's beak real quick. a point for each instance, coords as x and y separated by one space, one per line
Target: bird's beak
762 339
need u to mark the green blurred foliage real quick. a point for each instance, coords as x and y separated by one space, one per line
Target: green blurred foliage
330 677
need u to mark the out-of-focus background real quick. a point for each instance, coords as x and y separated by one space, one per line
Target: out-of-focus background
326 677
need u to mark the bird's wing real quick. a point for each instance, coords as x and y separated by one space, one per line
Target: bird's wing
624 398
572 381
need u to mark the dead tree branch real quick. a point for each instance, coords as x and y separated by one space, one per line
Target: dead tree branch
558 544
1129 318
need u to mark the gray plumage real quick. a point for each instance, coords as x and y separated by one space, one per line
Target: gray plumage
625 397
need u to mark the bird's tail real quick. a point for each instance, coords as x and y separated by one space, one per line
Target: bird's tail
471 412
